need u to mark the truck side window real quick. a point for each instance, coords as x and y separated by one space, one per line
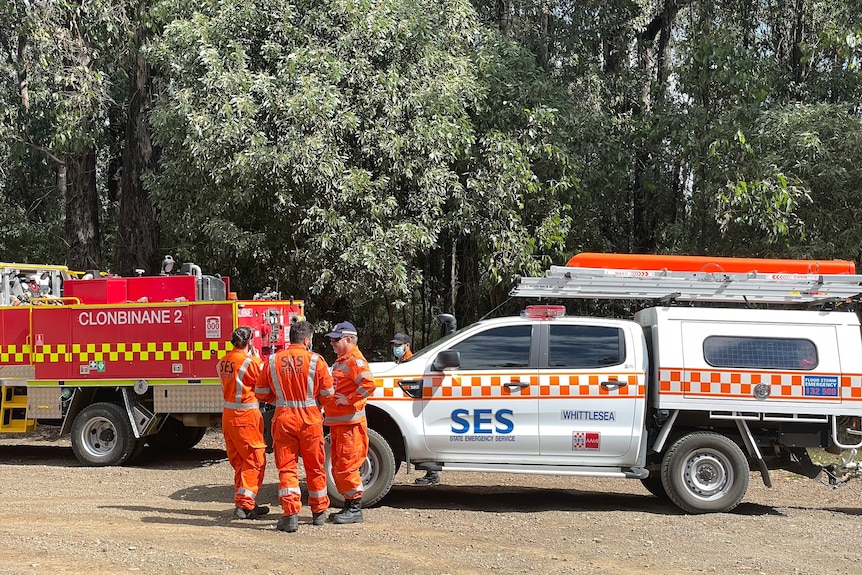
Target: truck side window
585 346
760 352
500 348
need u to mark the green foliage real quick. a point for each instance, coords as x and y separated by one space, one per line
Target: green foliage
338 142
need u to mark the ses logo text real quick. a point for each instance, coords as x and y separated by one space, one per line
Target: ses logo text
484 424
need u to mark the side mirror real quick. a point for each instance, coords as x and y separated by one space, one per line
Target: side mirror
448 322
447 360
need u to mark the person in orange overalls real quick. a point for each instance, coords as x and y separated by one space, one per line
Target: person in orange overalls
402 352
296 380
242 422
345 416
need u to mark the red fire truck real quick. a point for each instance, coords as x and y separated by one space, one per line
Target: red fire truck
121 362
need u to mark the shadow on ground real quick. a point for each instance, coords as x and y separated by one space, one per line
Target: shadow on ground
511 499
39 453
487 498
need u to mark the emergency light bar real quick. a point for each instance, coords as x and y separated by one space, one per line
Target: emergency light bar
544 311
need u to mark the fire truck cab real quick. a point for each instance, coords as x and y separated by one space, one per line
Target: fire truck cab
121 362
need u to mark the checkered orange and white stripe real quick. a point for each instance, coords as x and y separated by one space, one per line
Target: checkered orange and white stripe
479 385
740 384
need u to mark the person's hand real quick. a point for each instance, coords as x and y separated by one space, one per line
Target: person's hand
341 399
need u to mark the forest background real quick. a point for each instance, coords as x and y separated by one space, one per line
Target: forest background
389 160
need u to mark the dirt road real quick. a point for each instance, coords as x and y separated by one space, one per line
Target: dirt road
174 516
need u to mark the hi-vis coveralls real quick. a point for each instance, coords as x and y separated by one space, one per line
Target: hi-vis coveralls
296 380
347 424
242 424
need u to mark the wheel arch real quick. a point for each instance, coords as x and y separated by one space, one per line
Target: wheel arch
84 396
384 424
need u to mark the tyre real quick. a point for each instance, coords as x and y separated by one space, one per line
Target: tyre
705 473
102 435
175 437
654 485
378 472
136 452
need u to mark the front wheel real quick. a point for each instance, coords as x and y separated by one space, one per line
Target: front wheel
378 472
102 435
705 473
654 485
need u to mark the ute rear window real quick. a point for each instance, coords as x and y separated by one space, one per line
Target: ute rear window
585 346
760 352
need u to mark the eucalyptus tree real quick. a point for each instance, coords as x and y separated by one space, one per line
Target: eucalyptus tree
352 148
772 95
138 233
693 99
64 56
31 210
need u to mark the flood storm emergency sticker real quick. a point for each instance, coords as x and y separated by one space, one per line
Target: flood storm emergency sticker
820 385
585 440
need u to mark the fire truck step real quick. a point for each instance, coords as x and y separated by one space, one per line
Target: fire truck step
13 411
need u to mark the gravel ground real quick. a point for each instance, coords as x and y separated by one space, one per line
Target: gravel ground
173 515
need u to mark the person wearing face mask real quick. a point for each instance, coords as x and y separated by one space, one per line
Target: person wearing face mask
297 381
242 422
401 347
401 351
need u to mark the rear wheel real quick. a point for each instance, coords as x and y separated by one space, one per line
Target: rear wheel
175 437
378 472
705 472
102 435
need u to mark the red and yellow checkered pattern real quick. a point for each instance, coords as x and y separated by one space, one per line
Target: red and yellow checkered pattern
137 351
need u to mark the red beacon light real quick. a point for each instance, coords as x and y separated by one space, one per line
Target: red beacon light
544 311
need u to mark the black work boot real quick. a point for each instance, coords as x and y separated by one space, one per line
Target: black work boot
344 508
258 511
288 523
352 512
430 478
318 518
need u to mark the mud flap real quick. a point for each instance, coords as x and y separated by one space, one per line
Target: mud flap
801 463
142 419
753 451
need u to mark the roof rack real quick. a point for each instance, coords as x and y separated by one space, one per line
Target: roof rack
691 286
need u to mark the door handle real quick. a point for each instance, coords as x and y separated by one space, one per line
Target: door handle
519 384
614 383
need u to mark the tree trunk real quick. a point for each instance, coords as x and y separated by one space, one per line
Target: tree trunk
503 18
138 229
543 47
467 303
796 64
653 58
83 250
21 70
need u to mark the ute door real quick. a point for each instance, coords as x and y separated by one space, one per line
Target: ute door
592 394
486 408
